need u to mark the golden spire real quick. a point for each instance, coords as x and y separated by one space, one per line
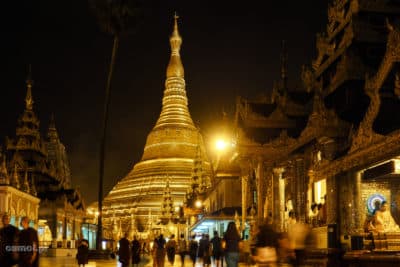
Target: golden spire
175 111
52 133
175 68
29 83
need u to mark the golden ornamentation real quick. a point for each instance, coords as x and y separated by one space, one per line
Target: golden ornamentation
324 47
397 84
365 135
308 78
170 151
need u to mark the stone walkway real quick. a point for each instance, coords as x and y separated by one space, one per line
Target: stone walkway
71 262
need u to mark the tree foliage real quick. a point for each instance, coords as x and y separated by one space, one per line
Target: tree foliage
118 17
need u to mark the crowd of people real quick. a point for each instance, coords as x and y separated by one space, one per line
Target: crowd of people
269 249
18 247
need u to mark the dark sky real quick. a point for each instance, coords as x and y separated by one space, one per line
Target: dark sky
229 48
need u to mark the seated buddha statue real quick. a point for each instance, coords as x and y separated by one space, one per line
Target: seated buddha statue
383 222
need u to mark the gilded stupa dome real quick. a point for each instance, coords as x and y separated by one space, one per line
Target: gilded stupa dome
168 156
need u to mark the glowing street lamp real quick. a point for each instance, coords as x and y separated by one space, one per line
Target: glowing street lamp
198 204
221 144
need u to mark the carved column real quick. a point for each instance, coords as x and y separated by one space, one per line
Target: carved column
279 199
260 196
246 171
332 201
358 212
64 231
301 186
244 180
350 206
268 196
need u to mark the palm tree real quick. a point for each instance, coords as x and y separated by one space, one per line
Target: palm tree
116 17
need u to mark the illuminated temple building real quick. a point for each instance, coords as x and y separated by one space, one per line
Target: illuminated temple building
136 203
38 167
335 140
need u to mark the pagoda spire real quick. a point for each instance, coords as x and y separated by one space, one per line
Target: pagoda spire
175 110
15 177
52 133
29 84
33 186
175 67
4 178
25 184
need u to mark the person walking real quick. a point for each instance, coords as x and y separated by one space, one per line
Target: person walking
266 246
28 239
216 244
171 249
136 249
8 238
193 246
182 249
204 250
83 252
124 254
160 251
231 240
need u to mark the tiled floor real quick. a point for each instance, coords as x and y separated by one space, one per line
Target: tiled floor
71 262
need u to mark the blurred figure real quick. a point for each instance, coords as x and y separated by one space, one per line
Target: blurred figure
322 212
216 243
171 249
291 220
160 250
28 239
83 252
182 248
193 246
8 238
153 248
297 237
231 239
266 246
204 250
245 250
136 249
313 215
285 251
124 254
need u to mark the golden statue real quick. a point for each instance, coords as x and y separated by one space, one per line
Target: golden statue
383 222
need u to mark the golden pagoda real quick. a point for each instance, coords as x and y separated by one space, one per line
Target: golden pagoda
168 158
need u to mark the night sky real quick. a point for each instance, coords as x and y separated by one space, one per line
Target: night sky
229 48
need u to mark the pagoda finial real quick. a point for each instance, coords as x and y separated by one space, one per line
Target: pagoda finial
33 186
4 179
15 177
52 133
175 67
25 184
52 123
29 84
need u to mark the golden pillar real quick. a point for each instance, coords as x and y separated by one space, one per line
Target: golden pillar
278 205
260 173
244 180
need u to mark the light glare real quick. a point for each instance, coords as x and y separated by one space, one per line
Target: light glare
220 144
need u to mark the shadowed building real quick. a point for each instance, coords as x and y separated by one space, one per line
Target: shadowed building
39 167
169 155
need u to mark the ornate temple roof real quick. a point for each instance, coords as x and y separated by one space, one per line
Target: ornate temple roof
35 165
169 153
